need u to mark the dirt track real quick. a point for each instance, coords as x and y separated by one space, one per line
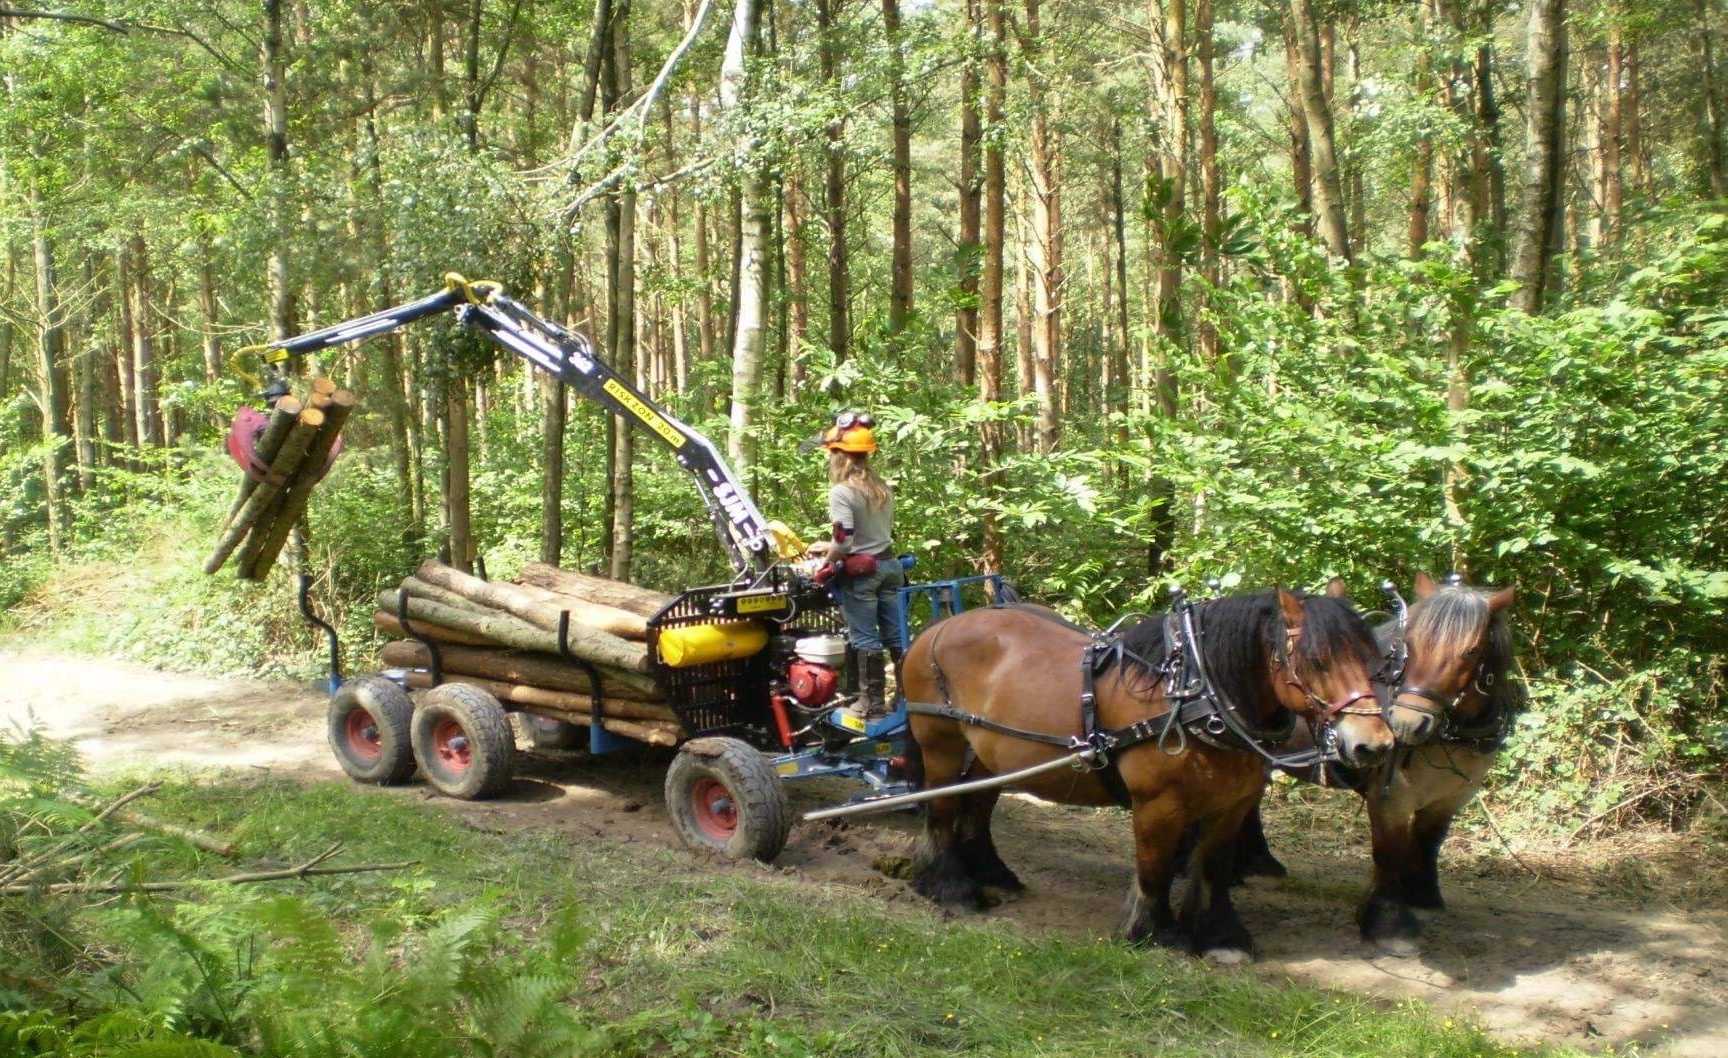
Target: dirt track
1532 958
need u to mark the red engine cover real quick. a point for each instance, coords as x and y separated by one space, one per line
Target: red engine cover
812 684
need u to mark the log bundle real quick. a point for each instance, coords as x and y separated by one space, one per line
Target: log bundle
503 638
291 454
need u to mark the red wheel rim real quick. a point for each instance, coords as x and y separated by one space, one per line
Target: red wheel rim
450 742
715 811
361 732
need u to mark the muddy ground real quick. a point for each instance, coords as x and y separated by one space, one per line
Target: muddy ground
1609 944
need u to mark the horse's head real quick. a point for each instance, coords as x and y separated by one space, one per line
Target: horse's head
1453 649
1325 672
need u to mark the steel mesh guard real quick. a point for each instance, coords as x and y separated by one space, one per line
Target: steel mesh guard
729 697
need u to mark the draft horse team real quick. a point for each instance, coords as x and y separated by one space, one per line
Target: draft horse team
1189 711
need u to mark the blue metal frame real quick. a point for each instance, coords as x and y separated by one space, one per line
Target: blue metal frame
869 758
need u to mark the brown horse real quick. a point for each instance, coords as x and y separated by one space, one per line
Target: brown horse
1452 702
1274 655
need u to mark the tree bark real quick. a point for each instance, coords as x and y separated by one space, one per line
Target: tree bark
1118 401
84 384
1613 182
618 594
276 162
1715 110
529 668
1046 195
1422 167
622 301
900 295
587 643
971 197
834 190
51 349
991 272
533 604
574 706
146 382
1317 112
1301 154
1211 212
755 228
1545 156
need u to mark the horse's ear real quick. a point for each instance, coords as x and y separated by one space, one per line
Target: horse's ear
1290 606
1501 599
1425 586
1337 589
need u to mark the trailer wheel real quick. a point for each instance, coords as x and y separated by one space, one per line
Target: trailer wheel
463 741
724 798
368 723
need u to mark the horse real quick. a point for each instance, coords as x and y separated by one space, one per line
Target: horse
1452 702
1002 672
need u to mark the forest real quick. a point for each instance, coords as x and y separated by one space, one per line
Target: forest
1140 294
1243 292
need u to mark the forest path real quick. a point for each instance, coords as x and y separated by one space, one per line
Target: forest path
1554 958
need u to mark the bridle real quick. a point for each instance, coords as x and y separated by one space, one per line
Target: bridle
1326 712
1441 707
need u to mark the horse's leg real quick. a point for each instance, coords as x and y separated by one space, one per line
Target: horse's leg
939 872
1422 887
1385 917
1209 917
1158 828
1253 854
978 849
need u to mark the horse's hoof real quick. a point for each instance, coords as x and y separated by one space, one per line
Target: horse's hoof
1264 866
997 895
1428 899
951 894
1398 947
1227 956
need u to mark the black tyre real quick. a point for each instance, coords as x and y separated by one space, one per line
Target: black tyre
543 732
724 798
463 741
368 722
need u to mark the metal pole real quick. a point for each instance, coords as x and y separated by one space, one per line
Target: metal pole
883 804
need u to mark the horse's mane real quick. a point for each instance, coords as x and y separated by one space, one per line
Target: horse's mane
1450 621
1238 633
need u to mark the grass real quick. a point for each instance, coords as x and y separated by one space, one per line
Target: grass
679 959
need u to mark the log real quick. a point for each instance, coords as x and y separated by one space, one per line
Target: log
587 643
530 669
515 600
653 732
387 623
264 496
293 503
321 386
420 589
536 699
595 589
282 419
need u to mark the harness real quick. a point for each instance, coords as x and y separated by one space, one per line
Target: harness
1198 708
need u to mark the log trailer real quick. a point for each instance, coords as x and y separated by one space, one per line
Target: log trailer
749 722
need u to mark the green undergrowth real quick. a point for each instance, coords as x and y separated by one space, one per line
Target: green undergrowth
533 944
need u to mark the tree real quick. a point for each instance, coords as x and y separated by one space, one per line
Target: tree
900 295
1540 202
755 226
1317 113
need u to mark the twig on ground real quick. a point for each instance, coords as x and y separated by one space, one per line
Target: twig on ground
1507 845
311 868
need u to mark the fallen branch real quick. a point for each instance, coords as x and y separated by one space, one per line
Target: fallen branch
311 868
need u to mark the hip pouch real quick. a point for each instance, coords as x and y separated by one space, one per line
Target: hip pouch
859 565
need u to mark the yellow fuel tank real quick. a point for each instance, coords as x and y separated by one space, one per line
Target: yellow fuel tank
703 644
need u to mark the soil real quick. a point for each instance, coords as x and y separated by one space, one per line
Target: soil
1620 943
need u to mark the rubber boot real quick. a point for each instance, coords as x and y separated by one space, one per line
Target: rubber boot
874 679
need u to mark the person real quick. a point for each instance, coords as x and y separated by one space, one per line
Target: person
861 510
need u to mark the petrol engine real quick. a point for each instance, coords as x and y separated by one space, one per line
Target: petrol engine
807 677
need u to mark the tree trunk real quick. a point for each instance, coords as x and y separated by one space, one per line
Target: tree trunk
900 296
1545 157
591 644
796 275
1632 121
834 192
990 328
755 228
276 155
1046 201
532 604
1422 167
435 57
525 668
622 301
1211 223
147 383
1715 110
84 384
1613 129
1172 103
128 417
471 75
1317 112
615 593
51 348
1301 154
971 191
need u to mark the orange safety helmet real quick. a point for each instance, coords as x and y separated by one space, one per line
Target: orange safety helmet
852 431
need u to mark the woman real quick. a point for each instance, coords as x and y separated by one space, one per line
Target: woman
861 509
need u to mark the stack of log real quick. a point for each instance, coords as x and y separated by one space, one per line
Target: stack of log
295 447
503 638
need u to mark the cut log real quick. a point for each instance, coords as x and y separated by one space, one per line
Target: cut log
537 698
282 419
587 643
292 506
387 623
264 496
653 732
595 589
529 668
524 603
420 589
